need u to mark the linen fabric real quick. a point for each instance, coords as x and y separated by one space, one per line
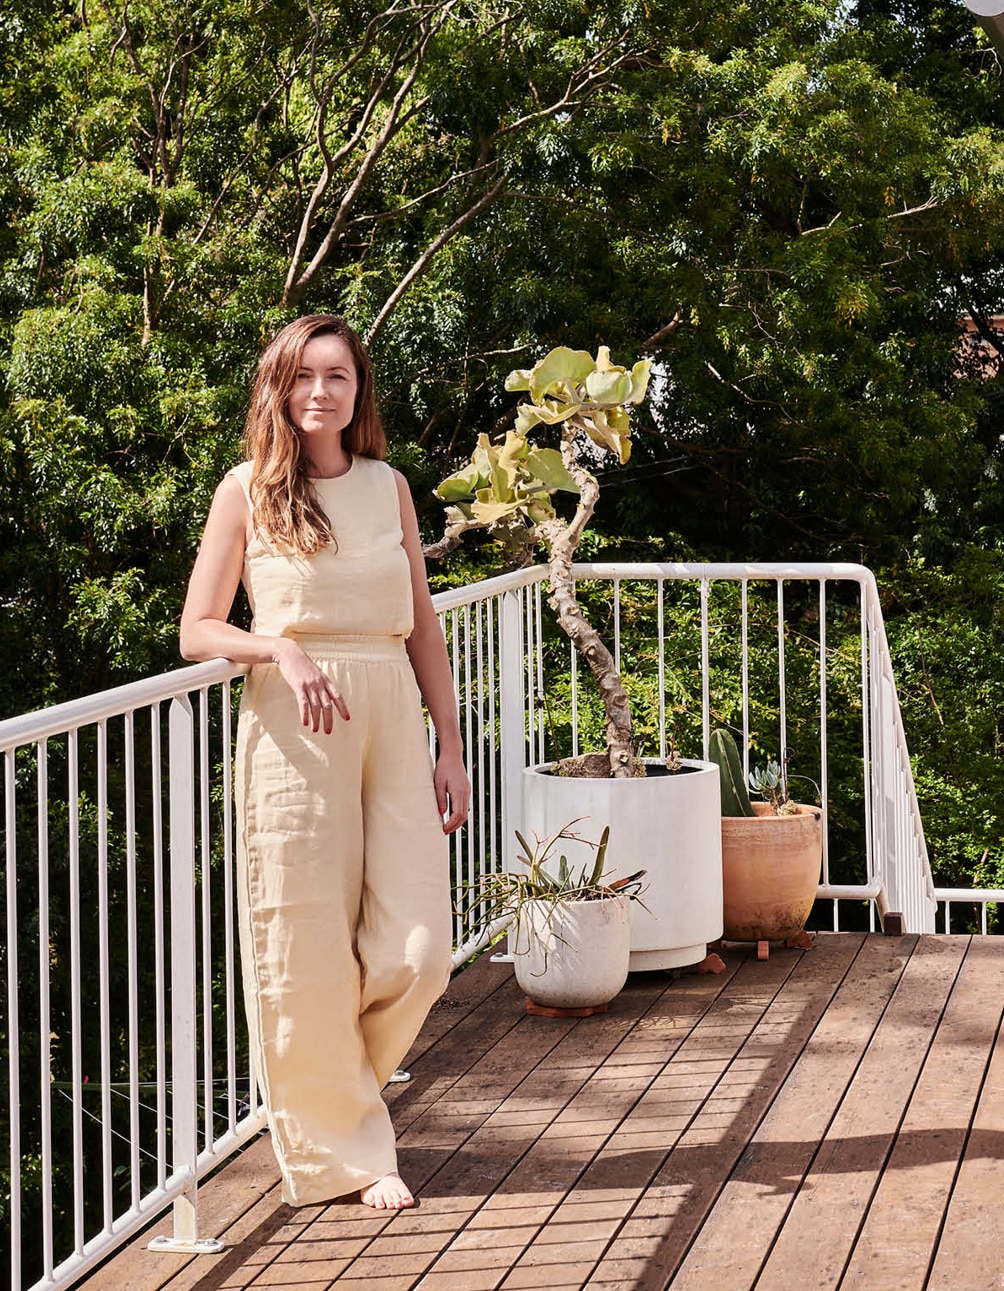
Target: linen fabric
359 584
343 875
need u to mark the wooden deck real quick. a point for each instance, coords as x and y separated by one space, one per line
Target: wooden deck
830 1118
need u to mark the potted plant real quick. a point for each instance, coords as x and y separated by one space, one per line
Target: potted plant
572 927
508 488
771 853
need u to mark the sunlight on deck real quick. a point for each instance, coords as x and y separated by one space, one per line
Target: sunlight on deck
827 1119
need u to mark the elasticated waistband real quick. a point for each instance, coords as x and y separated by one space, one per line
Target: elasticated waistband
359 647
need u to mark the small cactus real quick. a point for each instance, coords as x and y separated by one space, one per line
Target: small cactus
735 798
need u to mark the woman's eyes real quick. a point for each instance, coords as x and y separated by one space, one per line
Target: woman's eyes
331 376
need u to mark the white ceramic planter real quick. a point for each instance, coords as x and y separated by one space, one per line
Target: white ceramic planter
669 825
573 954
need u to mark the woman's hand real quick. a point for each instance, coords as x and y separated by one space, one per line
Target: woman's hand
316 695
453 790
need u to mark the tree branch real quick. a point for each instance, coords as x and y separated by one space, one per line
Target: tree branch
423 261
658 337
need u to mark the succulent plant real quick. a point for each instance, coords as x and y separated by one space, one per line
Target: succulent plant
508 489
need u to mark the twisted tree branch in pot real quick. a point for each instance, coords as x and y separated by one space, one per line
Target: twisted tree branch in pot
507 489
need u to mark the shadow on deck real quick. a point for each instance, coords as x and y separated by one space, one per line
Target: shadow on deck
824 1119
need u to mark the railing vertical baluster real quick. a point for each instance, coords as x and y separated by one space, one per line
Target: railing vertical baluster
132 963
824 775
537 688
574 664
512 714
469 832
705 670
661 633
617 624
493 800
107 1161
159 971
13 1025
184 1056
228 909
476 829
205 881
44 1008
744 599
529 756
456 853
782 688
866 755
76 1022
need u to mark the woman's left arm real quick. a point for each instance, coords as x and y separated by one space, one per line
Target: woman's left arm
429 659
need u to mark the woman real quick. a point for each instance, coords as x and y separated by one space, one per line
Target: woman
343 876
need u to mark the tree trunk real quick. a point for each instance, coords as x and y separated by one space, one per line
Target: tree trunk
562 540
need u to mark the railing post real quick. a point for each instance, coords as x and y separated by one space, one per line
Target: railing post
512 718
184 1054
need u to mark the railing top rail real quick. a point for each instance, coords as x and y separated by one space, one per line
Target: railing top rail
735 571
673 570
60 718
48 722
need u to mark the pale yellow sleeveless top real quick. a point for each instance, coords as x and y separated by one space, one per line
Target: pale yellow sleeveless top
361 585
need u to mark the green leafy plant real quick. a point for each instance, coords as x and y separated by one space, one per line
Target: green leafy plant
501 897
508 489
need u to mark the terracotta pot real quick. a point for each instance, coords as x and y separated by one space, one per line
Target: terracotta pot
770 872
573 954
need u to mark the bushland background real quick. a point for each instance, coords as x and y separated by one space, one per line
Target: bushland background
789 205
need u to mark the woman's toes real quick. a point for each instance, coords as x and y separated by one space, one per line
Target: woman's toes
388 1193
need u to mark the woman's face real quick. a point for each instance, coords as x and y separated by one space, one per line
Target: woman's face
323 397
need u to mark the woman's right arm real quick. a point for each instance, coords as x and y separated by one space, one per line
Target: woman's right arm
205 632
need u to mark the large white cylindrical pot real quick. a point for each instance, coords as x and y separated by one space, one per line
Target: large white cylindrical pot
668 825
573 954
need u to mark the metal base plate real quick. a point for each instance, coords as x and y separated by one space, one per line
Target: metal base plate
178 1245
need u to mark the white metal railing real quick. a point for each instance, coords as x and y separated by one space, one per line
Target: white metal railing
119 845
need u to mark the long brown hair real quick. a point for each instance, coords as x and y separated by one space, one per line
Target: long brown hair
285 505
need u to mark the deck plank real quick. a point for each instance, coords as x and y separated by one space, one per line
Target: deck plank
740 1230
827 1119
690 1072
900 1230
674 1205
968 1256
834 1196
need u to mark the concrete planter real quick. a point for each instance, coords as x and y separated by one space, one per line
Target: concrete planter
573 954
669 825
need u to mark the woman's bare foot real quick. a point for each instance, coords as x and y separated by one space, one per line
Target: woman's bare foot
388 1193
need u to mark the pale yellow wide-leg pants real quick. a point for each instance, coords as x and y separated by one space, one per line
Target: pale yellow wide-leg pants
344 907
